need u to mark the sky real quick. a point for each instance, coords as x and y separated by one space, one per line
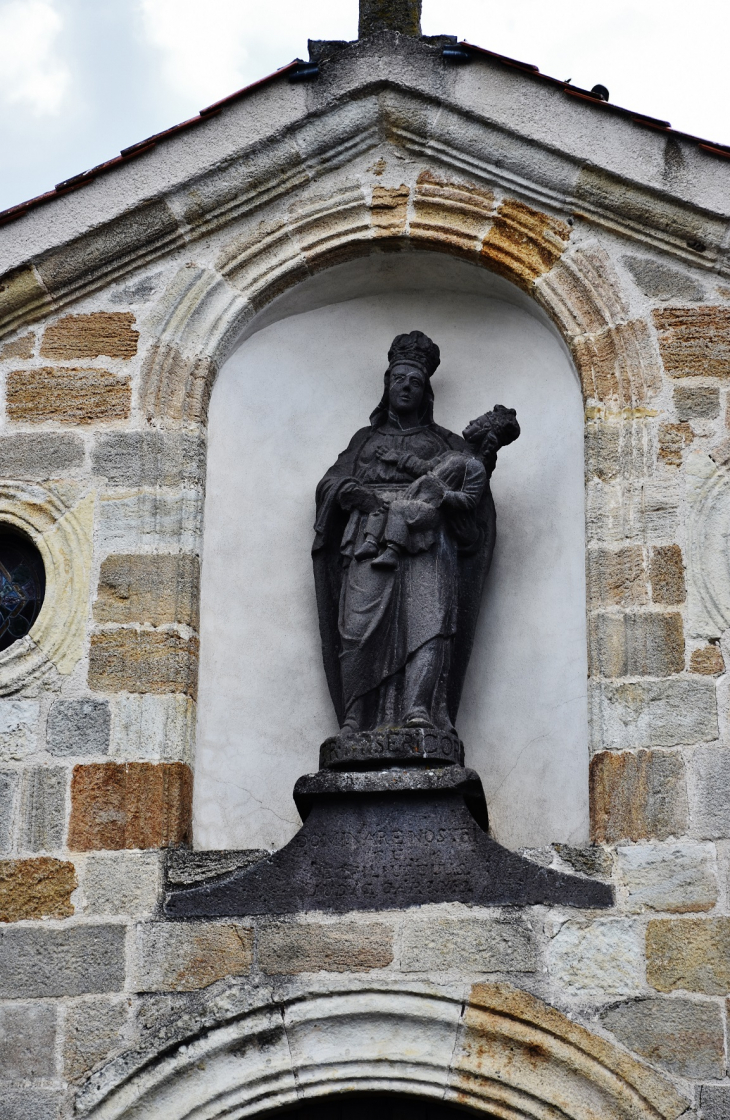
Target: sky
81 79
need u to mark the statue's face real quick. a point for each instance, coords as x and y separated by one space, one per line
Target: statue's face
407 385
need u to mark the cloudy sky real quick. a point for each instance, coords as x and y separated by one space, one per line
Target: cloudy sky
80 79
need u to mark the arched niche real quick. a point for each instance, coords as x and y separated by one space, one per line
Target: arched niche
305 376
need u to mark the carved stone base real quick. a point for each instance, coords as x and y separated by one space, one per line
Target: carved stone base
402 745
387 840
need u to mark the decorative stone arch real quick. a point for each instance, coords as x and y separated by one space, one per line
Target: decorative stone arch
204 311
500 1051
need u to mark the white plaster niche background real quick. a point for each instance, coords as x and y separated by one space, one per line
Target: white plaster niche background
305 378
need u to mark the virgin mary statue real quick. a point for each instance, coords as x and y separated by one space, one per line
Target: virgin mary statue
404 535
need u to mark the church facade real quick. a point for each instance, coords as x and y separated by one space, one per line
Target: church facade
175 326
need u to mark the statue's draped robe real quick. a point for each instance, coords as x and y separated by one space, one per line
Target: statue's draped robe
372 619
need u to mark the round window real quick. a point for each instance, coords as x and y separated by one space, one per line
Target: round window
22 585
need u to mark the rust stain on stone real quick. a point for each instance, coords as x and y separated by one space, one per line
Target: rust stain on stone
390 210
36 888
637 796
130 805
694 341
108 334
455 215
131 660
67 395
523 243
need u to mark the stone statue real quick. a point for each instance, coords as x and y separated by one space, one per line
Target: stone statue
405 531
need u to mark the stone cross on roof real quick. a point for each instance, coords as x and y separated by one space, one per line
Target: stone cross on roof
389 15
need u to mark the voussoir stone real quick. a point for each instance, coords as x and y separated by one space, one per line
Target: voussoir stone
678 878
36 888
130 805
78 727
637 795
475 944
685 1037
186 956
48 963
689 953
292 947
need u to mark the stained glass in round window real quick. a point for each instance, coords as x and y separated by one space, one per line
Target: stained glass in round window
22 585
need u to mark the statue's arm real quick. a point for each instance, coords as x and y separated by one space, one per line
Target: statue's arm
467 498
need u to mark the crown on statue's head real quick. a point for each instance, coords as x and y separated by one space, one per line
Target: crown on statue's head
415 349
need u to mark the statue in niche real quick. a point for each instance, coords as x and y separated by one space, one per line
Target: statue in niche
404 536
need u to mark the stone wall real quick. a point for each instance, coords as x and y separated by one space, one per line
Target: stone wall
113 335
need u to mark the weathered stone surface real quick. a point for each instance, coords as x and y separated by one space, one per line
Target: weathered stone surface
389 210
182 957
154 728
650 644
43 808
78 727
598 959
683 1036
156 519
659 281
121 884
20 293
185 868
524 243
450 213
589 860
8 790
470 944
128 235
678 878
708 660
709 792
149 458
108 334
616 577
143 661
673 438
666 572
653 713
93 1031
36 888
18 729
603 451
155 589
644 510
294 947
40 454
61 962
689 953
403 16
19 347
697 402
694 341
30 1104
618 364
27 1041
130 805
714 1102
67 395
637 796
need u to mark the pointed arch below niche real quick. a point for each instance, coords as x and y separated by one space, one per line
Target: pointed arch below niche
499 1051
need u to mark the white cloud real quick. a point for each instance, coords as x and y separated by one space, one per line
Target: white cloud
31 74
211 49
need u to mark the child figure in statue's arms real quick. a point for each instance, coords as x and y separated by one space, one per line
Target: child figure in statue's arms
454 480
